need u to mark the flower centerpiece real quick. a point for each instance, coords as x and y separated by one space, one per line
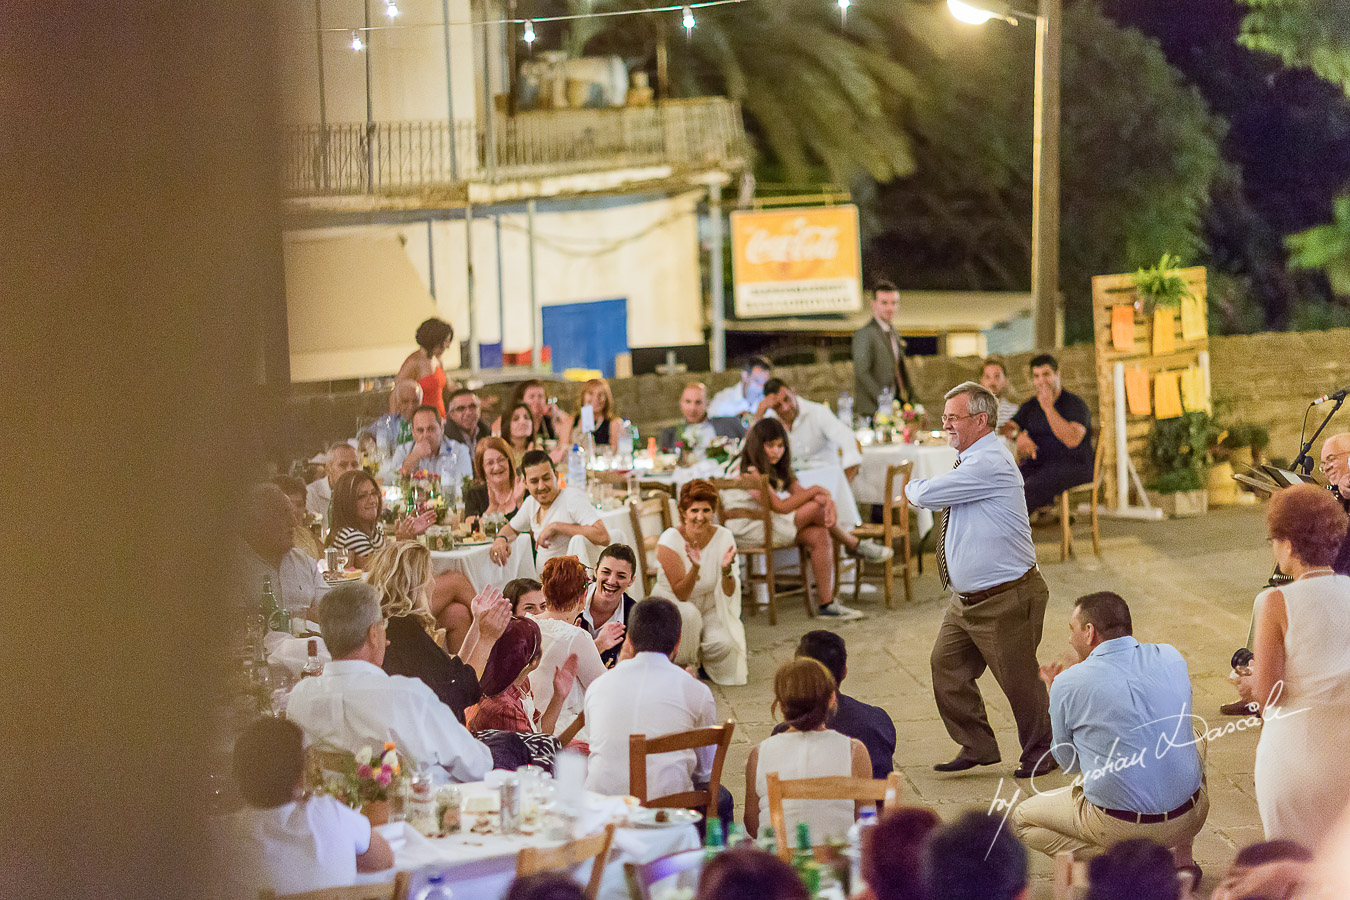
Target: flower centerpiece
361 780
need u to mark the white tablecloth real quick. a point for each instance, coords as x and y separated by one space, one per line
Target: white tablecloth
929 460
482 867
478 566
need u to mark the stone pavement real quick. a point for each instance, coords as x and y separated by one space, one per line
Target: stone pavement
1189 583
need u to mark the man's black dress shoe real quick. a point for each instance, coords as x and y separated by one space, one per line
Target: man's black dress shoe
1046 766
961 763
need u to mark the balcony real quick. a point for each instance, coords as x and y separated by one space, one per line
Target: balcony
430 158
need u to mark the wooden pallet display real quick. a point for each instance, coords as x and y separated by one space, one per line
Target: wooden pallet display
1109 291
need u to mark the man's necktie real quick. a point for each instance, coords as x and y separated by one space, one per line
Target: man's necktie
942 543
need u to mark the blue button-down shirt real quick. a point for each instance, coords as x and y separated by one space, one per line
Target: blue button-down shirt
988 532
1122 718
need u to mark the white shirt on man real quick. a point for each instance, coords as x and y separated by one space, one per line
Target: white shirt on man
299 846
453 462
819 439
318 497
731 402
355 704
570 507
296 583
647 695
988 539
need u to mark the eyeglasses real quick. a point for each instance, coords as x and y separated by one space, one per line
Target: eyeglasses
947 420
1330 460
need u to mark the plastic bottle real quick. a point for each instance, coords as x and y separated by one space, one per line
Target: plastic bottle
576 468
884 401
846 408
856 837
436 889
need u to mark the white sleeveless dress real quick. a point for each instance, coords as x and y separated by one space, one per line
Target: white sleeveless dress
711 618
807 754
1304 754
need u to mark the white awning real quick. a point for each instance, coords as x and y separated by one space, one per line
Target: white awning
353 303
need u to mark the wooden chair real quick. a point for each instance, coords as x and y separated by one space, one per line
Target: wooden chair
640 747
658 505
395 890
1066 508
894 526
762 512
1071 874
570 732
833 787
642 876
534 860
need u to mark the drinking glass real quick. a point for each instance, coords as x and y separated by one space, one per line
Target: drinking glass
343 559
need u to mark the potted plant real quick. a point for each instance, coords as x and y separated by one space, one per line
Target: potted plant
1161 285
1178 457
1245 443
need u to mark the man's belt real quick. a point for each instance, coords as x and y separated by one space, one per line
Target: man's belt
1152 818
972 599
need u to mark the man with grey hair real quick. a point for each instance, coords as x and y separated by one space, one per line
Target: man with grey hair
985 555
355 704
340 460
267 552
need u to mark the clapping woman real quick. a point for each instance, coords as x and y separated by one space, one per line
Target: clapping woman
355 513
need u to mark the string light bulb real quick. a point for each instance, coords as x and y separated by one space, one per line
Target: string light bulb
357 44
391 9
843 10
528 36
688 21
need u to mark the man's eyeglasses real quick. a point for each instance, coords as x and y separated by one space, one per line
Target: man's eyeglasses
947 420
1329 460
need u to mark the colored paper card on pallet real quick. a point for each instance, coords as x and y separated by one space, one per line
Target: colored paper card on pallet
1164 332
1122 327
1137 392
1167 395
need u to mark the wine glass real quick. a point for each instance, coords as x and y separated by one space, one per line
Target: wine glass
342 559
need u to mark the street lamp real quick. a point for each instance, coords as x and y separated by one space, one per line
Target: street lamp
1045 151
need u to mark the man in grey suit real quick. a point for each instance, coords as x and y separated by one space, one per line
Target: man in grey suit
879 355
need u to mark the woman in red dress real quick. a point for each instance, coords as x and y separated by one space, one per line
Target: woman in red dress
424 366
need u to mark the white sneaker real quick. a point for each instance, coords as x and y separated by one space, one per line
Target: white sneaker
873 552
838 610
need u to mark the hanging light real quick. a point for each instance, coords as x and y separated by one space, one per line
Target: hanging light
357 44
391 9
843 10
980 11
688 21
528 36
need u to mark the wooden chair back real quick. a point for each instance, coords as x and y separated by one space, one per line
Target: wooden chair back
396 890
642 877
894 527
832 787
534 860
639 509
761 510
640 747
1066 508
569 733
1072 874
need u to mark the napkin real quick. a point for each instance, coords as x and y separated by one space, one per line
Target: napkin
291 652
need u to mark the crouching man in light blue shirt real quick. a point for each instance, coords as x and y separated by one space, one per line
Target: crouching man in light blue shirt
1122 724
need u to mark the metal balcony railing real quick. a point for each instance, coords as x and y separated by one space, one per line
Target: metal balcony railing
390 158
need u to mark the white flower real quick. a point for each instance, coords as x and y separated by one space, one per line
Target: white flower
363 756
390 759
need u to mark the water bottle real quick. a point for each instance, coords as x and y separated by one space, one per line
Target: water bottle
436 889
846 408
625 456
576 468
884 401
857 834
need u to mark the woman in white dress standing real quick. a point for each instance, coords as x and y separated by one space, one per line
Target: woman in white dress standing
697 569
804 692
1301 671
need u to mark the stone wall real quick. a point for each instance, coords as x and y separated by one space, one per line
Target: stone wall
1267 378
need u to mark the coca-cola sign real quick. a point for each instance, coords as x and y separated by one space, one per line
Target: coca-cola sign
800 261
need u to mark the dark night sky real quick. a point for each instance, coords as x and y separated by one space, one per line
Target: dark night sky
1289 130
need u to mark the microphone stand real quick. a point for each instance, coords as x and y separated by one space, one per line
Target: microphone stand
1305 453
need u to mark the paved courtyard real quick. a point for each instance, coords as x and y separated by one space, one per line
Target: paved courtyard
1189 583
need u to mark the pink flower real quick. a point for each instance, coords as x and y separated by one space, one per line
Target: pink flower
363 771
384 778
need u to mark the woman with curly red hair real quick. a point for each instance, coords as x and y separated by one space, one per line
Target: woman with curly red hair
565 581
1301 671
697 569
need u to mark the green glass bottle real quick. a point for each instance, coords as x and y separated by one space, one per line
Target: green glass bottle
804 860
768 841
712 841
278 617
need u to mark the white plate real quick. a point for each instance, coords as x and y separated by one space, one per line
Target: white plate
641 817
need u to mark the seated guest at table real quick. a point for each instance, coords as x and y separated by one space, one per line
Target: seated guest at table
697 431
565 580
554 516
549 422
520 435
804 692
497 487
548 886
305 539
994 378
852 718
424 366
268 553
284 840
358 504
395 427
893 854
526 596
1054 446
748 874
1301 671
1276 869
975 858
742 398
431 450
605 616
647 693
596 394
803 515
697 569
356 704
1132 869
464 424
819 439
508 701
340 460
418 646
1122 700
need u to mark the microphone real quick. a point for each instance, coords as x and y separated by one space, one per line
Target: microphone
1338 396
